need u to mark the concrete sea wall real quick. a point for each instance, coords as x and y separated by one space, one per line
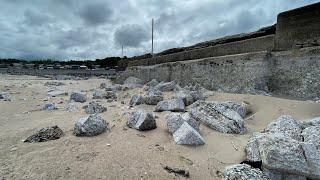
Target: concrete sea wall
294 73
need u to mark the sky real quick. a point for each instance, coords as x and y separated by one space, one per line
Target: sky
93 29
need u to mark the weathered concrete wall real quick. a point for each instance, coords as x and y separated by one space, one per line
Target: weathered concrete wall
298 28
264 43
289 73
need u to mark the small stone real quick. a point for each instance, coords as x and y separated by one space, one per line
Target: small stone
4 96
49 107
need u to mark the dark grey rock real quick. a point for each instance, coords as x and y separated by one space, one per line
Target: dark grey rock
136 99
240 108
243 172
151 84
78 97
218 117
45 134
175 120
141 121
186 135
114 87
110 95
91 125
153 96
174 105
54 83
94 108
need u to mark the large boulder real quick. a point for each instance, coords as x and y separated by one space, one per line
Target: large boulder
45 134
166 86
141 121
94 108
186 135
133 82
174 105
188 96
136 99
91 125
153 97
243 172
218 117
175 120
4 96
287 126
78 97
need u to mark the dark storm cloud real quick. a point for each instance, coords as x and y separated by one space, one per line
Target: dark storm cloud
75 29
96 14
131 35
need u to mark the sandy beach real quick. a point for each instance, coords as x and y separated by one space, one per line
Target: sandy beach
121 153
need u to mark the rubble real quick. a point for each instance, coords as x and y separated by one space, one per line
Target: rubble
166 86
141 120
136 99
175 120
78 97
94 108
153 97
186 135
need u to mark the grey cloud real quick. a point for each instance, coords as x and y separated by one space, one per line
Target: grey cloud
32 18
131 35
96 14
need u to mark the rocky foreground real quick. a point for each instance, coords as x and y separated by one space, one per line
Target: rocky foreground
76 129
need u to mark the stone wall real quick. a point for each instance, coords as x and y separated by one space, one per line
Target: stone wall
294 73
298 28
264 43
70 72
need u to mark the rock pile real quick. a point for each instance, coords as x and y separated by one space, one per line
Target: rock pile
287 149
141 120
45 134
94 108
91 125
78 97
218 116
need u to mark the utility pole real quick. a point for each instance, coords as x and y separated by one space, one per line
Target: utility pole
122 52
152 37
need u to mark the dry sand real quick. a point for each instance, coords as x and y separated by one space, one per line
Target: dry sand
121 153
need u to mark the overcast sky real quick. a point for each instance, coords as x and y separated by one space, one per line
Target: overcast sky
90 29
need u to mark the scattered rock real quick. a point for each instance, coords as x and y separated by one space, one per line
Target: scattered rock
151 84
45 134
111 95
175 120
243 171
177 171
91 125
136 99
185 96
186 135
54 83
4 96
103 85
141 121
114 87
94 108
153 97
174 105
78 97
166 86
218 117
49 107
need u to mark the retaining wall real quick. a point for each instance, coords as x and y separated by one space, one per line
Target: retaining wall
294 73
69 72
264 43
